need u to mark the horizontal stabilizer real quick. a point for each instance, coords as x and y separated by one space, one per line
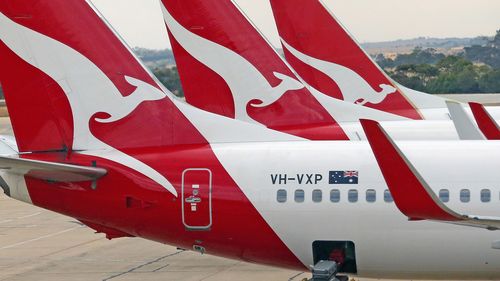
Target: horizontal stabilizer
486 123
412 194
464 125
50 171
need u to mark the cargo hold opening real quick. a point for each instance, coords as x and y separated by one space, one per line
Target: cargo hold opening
342 252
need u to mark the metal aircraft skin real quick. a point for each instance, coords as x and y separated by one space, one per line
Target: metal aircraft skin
217 47
98 138
329 60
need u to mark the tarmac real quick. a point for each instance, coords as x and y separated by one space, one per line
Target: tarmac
37 244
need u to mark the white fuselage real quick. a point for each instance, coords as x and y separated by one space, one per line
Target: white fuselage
440 127
387 244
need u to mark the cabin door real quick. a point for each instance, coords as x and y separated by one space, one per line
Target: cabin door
197 199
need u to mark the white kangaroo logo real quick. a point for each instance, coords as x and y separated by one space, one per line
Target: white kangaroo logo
88 89
354 88
244 80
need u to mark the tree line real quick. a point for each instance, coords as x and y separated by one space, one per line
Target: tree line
475 70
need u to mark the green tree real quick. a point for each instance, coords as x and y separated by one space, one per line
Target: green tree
452 74
415 76
417 56
384 62
490 82
464 81
487 54
476 70
453 64
169 77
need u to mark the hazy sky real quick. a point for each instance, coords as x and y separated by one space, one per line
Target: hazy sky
140 21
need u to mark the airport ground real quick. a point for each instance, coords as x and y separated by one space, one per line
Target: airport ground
37 244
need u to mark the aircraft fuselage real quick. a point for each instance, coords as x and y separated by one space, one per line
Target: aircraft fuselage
272 201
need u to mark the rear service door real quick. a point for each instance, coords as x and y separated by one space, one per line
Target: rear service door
197 199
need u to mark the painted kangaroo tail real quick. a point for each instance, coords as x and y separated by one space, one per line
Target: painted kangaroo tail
287 84
311 29
251 82
62 64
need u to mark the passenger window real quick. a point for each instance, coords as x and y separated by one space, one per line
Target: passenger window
299 195
335 195
388 196
444 195
352 196
371 195
485 195
281 196
465 196
317 196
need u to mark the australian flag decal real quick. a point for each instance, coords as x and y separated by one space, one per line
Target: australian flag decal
343 177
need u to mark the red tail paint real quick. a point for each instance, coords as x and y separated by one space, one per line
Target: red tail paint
226 67
330 60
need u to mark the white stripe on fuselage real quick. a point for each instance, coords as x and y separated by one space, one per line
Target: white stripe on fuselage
386 243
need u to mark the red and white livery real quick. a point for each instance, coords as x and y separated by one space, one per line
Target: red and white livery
98 139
